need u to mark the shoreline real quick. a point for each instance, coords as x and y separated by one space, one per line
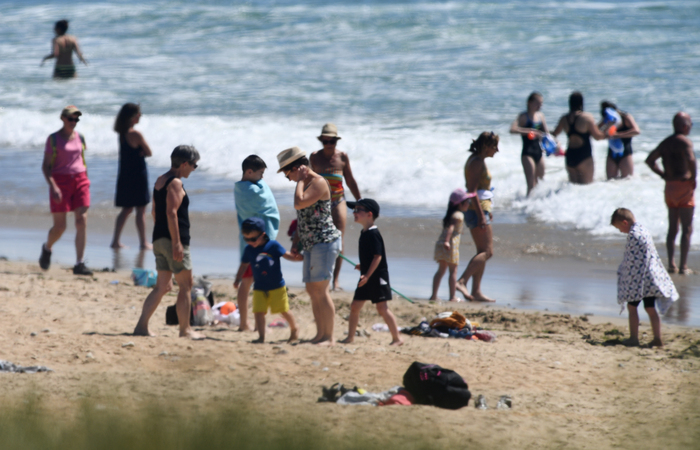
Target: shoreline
535 266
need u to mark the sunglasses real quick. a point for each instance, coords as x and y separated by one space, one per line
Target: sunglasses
328 141
73 119
252 239
193 164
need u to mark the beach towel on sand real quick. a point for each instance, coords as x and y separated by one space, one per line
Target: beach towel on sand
642 274
256 200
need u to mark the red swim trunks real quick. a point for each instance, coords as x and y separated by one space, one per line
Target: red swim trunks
75 192
680 194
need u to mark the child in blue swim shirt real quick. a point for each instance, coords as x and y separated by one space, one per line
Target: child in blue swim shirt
262 255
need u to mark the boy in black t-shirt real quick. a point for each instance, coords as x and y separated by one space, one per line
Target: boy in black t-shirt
374 278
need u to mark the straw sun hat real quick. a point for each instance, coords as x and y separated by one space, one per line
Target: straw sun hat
286 157
329 130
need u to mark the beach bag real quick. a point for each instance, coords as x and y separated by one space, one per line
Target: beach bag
144 277
433 385
171 316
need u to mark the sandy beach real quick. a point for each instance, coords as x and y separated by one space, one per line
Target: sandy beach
570 388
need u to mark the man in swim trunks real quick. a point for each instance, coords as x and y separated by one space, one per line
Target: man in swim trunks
333 165
680 171
63 46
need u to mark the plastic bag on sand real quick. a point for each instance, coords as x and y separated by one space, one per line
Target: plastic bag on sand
486 336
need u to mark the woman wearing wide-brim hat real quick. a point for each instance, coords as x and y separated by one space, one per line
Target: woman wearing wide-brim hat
319 238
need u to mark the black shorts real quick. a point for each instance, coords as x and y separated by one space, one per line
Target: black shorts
648 302
373 291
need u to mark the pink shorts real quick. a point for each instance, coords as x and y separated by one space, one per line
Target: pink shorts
75 192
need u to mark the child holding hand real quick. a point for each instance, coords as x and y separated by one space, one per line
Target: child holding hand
263 255
447 247
374 278
641 277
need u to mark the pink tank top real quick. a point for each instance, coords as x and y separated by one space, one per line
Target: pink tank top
68 158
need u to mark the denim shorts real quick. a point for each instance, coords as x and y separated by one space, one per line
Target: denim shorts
320 261
471 218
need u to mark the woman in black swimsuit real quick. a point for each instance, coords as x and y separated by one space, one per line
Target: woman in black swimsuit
619 165
531 121
132 180
579 127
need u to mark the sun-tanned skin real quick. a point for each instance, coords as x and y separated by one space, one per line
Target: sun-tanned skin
328 159
679 164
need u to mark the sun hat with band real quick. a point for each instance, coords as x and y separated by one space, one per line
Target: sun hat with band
70 110
329 130
286 157
367 203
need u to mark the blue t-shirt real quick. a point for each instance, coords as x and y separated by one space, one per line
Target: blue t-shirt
265 262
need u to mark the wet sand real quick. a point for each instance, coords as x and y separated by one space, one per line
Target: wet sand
534 266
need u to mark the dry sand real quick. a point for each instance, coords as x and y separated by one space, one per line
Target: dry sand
569 390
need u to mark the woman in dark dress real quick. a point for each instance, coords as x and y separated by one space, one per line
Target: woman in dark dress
132 181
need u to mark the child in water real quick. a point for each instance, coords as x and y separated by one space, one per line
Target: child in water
641 277
447 247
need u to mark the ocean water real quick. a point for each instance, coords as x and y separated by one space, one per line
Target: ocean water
409 84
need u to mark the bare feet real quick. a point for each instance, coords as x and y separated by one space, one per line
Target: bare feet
336 288
293 336
244 327
672 269
686 271
146 246
456 299
630 342
117 245
192 335
347 340
397 343
655 343
143 332
481 298
462 287
325 342
434 299
258 341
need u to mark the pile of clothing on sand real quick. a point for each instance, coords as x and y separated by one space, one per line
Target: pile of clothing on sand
451 324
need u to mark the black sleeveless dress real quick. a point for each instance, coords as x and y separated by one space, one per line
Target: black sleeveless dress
132 180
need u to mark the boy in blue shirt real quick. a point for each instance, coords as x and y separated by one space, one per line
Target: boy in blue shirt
253 198
263 254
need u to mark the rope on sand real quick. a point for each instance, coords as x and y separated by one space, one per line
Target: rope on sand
400 294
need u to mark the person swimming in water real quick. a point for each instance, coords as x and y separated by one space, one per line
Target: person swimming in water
62 48
527 122
579 127
333 165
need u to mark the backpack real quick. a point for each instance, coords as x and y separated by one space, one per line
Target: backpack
431 384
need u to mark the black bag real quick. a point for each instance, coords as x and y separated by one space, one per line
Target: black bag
171 316
431 384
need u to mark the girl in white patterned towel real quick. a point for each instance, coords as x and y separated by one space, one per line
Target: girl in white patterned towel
641 277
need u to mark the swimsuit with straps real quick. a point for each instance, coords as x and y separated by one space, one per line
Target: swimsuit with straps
627 142
575 156
485 185
531 147
315 225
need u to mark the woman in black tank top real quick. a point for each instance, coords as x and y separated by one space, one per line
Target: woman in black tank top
171 239
619 165
580 127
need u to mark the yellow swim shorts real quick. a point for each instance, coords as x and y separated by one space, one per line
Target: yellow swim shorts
275 300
